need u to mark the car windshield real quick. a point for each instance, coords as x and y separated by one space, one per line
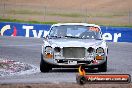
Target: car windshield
75 31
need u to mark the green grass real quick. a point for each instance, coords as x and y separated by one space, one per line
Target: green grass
77 15
22 21
74 15
66 14
113 25
23 12
37 22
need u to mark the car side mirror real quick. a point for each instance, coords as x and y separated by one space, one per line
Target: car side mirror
45 37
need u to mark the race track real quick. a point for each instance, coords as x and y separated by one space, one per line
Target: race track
27 50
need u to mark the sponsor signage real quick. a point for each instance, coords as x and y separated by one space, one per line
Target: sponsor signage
103 78
21 29
113 34
83 78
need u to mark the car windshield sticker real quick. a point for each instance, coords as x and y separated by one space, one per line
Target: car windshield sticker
96 29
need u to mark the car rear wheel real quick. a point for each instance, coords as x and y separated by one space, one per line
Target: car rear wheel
103 67
44 67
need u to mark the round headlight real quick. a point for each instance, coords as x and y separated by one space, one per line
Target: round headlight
57 49
100 51
90 50
48 49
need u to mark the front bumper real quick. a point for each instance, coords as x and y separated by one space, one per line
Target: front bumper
71 63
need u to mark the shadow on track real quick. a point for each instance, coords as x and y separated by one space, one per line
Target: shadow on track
73 70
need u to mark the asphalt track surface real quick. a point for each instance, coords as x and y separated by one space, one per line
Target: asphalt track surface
27 50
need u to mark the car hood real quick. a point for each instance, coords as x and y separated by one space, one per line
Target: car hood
74 42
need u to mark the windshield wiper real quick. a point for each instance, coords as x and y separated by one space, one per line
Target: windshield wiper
98 38
55 37
72 37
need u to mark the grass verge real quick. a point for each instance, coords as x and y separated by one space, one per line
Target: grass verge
52 22
22 21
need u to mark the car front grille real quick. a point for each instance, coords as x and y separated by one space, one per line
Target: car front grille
74 52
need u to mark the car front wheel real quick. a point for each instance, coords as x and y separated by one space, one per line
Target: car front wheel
103 67
44 67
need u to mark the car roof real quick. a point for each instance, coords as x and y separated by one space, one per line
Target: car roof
83 24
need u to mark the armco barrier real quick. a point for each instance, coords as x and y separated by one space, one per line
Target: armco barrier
113 34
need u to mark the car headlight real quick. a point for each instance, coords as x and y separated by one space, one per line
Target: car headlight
48 52
90 53
99 53
57 53
90 50
57 49
48 49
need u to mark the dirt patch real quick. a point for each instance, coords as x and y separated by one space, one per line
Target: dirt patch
11 67
116 12
77 4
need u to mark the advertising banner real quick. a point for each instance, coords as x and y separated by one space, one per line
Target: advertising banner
112 34
23 29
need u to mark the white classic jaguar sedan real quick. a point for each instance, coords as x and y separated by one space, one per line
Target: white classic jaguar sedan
74 44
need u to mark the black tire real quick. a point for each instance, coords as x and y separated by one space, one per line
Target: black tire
81 80
103 67
44 67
